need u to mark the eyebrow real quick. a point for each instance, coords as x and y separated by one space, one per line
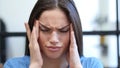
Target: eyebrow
58 28
44 26
65 26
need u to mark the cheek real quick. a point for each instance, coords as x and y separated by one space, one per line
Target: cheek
65 39
42 39
66 43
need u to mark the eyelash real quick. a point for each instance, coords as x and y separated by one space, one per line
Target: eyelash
48 30
45 30
64 31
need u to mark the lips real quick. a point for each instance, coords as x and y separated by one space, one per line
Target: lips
53 49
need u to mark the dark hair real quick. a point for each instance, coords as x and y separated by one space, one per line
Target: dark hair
68 6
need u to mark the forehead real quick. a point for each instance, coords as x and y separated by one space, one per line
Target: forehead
55 17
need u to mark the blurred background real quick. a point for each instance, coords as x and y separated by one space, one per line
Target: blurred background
100 22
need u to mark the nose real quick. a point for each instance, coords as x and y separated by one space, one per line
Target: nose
54 39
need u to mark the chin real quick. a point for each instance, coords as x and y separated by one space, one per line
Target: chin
55 56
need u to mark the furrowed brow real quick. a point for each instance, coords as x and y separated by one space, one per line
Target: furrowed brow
65 26
41 25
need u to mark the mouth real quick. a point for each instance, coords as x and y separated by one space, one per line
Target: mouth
53 49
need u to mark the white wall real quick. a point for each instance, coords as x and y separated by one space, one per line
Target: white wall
14 13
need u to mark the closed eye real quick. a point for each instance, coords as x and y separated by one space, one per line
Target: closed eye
44 28
64 29
47 29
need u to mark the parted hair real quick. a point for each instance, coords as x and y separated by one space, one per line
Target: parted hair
67 6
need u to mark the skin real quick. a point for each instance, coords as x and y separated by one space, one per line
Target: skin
53 30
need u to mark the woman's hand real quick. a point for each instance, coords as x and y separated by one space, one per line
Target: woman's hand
73 55
36 60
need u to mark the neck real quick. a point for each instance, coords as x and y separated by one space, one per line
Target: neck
54 63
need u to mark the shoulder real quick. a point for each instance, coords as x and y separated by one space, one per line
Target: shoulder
19 62
91 62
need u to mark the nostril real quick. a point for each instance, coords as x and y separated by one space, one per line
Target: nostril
53 42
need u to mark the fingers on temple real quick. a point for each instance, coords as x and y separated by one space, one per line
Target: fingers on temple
35 31
37 28
72 34
33 36
73 40
36 25
28 31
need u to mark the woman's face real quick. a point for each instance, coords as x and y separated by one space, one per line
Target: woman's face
54 33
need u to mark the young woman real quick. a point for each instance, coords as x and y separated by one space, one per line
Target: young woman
54 38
